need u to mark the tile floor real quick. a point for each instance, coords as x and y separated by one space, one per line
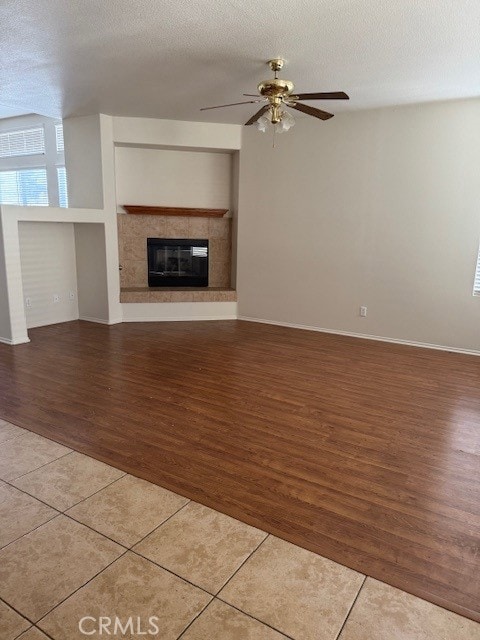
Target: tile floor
84 546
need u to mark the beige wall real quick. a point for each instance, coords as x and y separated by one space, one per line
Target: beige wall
173 178
83 161
378 208
177 134
5 324
47 253
90 162
92 276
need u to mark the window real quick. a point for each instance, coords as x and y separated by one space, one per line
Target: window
22 142
24 187
476 282
62 186
59 138
32 162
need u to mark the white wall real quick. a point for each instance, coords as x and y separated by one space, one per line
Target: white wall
173 178
5 323
378 208
234 206
176 134
83 159
90 161
13 325
47 253
92 272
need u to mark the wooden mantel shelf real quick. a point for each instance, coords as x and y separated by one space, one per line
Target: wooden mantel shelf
173 211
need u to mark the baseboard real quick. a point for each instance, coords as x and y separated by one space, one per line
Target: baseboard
43 323
351 334
97 320
14 342
163 319
178 318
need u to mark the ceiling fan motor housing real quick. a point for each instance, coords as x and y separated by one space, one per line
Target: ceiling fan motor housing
275 88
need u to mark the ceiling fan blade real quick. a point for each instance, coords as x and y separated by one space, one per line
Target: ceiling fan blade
311 111
233 104
258 115
329 95
251 95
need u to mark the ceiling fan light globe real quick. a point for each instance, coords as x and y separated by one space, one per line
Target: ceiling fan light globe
262 124
287 121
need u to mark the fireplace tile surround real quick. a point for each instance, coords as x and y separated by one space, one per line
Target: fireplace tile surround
167 294
133 232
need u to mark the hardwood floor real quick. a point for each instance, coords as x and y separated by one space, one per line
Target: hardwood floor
365 452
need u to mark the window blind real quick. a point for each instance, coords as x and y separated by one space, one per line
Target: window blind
476 283
59 138
62 187
22 142
24 187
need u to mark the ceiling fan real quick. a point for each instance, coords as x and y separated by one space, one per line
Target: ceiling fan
277 94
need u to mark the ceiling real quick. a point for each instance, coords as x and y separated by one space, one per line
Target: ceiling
168 58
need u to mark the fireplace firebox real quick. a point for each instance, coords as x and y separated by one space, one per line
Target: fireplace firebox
177 263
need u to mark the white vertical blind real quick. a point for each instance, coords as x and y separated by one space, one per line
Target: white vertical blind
22 142
62 187
59 138
476 283
24 187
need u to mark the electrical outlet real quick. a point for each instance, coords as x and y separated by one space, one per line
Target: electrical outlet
363 312
71 295
56 297
28 302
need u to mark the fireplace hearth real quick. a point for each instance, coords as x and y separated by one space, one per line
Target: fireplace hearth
177 262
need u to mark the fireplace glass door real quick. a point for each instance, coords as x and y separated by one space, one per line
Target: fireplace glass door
177 263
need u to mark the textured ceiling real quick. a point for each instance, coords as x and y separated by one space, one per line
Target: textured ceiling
168 58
